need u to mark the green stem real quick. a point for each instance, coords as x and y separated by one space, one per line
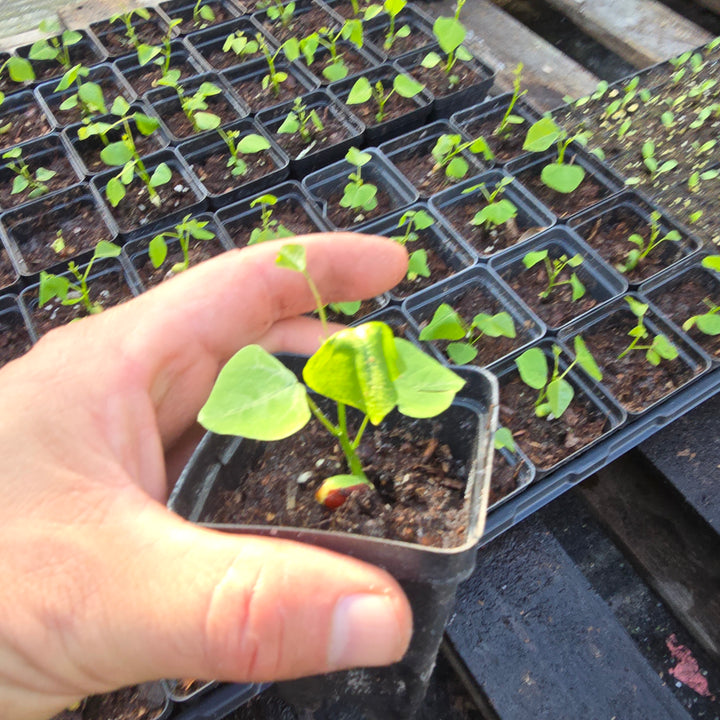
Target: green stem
353 461
358 437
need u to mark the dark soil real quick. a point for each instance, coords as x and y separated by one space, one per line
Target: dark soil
181 126
25 124
217 177
395 107
351 217
563 205
436 81
473 301
89 150
7 273
198 251
108 289
150 32
559 308
415 40
110 88
334 131
683 297
420 485
14 337
140 702
354 61
35 230
58 163
218 59
145 78
548 442
189 25
136 210
632 380
250 89
493 240
506 146
505 478
288 212
609 236
303 23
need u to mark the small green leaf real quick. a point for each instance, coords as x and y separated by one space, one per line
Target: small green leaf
406 87
533 368
115 191
292 257
585 359
709 324
542 135
52 286
578 289
157 251
161 175
563 178
461 353
504 439
146 125
450 33
360 92
117 153
206 120
19 184
534 257
560 394
446 324
253 143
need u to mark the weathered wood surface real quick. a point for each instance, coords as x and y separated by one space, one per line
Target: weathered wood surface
677 553
643 32
504 42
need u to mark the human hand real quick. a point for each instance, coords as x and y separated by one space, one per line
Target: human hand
100 585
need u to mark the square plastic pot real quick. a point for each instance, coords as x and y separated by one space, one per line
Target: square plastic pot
357 60
197 150
419 107
184 10
15 338
428 575
307 17
182 176
404 151
458 207
150 32
602 283
325 187
421 33
473 88
437 240
34 122
113 85
512 473
240 218
49 152
690 357
314 159
499 298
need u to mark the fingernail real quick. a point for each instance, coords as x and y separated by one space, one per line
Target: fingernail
365 632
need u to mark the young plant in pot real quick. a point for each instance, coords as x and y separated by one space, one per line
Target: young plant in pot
26 183
357 377
14 70
125 31
336 50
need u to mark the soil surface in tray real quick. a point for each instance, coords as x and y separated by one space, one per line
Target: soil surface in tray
474 301
505 146
401 45
145 78
609 236
82 53
14 337
288 213
420 496
489 240
559 308
436 81
140 702
250 89
189 24
303 23
632 380
563 205
218 59
198 251
684 298
349 217
89 150
395 107
107 289
217 177
547 442
136 210
334 131
354 62
181 126
505 478
57 163
149 32
25 124
110 90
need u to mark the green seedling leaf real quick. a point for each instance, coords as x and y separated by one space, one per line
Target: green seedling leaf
292 257
578 289
206 120
406 87
431 60
461 353
562 178
347 308
559 394
117 153
157 251
711 262
147 53
253 143
534 257
425 387
542 135
504 439
709 324
257 397
664 348
358 158
446 324
638 308
91 94
418 265
19 184
499 325
52 286
145 124
360 92
358 367
20 70
496 213
585 359
450 33
115 191
161 176
106 249
533 368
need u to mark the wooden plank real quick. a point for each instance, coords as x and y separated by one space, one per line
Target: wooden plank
643 32
503 42
674 550
540 643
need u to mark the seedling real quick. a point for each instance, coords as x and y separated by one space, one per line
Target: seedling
302 121
644 248
249 144
19 70
504 440
368 11
509 118
270 228
651 163
358 194
659 349
707 323
25 180
554 267
278 11
203 15
412 221
327 38
555 393
185 231
241 45
447 153
160 55
195 106
362 91
620 105
558 175
447 324
498 209
88 96
274 79
56 48
128 19
450 34
75 293
365 367
393 8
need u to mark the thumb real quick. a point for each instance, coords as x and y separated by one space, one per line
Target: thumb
239 608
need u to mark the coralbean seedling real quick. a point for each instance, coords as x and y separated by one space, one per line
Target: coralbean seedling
270 228
362 91
553 268
25 179
644 248
189 229
412 221
659 349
